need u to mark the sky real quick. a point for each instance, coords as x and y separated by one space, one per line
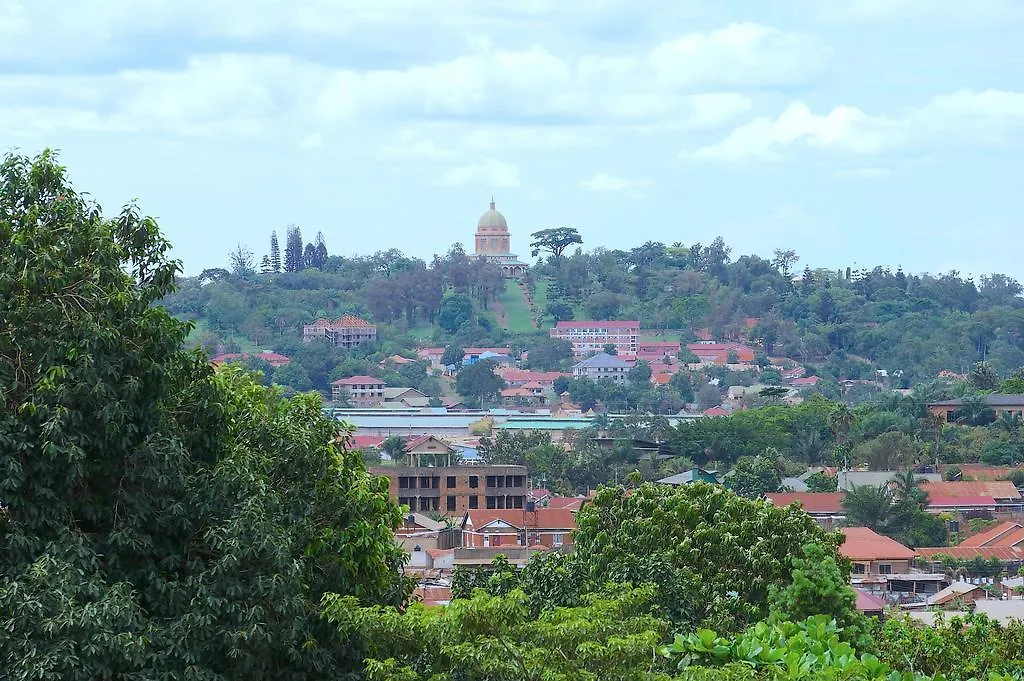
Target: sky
855 132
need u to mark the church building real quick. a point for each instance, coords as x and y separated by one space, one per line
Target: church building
492 243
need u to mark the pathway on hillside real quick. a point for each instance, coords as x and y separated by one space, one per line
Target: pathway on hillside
499 313
529 303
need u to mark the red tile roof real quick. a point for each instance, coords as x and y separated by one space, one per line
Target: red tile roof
977 471
997 489
866 544
867 602
542 518
808 381
569 503
993 536
812 502
715 411
961 502
524 376
597 324
271 358
420 439
661 379
1003 553
359 380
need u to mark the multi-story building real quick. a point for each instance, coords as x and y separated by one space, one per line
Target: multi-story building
347 331
536 526
453 490
359 391
587 337
602 365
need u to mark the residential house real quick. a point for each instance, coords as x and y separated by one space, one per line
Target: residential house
956 596
429 451
419 534
518 378
601 366
689 477
348 331
272 358
359 391
453 490
657 350
805 381
1012 405
530 394
875 554
846 480
549 527
869 604
711 352
825 507
405 397
592 336
1004 542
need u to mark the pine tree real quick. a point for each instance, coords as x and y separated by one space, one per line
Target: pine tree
293 250
309 256
321 251
265 266
275 253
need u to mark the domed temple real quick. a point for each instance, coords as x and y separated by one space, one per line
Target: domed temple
492 243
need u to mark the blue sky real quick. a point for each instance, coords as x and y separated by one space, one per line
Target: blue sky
857 132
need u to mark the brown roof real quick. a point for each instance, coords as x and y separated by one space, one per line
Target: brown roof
978 471
1003 553
420 439
869 603
359 380
813 502
997 489
863 543
542 518
994 536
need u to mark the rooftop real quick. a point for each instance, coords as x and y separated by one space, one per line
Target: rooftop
992 400
863 543
998 489
591 324
545 518
358 380
602 360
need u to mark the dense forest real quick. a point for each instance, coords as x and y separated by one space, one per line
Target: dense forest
840 323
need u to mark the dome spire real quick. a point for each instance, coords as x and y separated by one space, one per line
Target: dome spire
492 203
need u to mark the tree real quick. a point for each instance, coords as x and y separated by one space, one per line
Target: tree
983 376
840 421
293 250
819 587
319 251
712 555
456 310
868 506
610 349
159 520
275 253
820 482
608 635
478 382
640 374
452 356
549 354
554 241
265 266
292 375
242 263
784 260
754 476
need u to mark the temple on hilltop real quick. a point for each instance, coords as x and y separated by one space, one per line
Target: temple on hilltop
492 243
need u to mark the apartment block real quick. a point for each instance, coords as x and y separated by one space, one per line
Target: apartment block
588 337
453 490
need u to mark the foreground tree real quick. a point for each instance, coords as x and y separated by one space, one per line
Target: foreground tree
158 521
713 555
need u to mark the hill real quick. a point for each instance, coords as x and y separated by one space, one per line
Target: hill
841 324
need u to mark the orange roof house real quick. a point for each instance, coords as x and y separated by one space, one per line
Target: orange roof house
1000 490
1004 542
875 554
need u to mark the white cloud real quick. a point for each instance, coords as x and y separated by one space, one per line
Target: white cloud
963 117
916 10
603 182
488 172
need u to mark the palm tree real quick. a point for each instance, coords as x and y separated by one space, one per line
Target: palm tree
868 506
840 421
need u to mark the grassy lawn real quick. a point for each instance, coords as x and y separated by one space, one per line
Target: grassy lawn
517 313
540 301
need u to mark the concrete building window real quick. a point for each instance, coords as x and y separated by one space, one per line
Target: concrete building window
492 503
424 482
490 481
474 482
885 568
517 502
557 539
519 481
450 482
509 481
435 482
858 568
450 503
473 501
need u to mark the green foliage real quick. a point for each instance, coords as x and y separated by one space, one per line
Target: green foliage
452 356
456 310
554 241
549 354
958 648
478 382
611 635
754 476
819 587
158 521
820 482
713 555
